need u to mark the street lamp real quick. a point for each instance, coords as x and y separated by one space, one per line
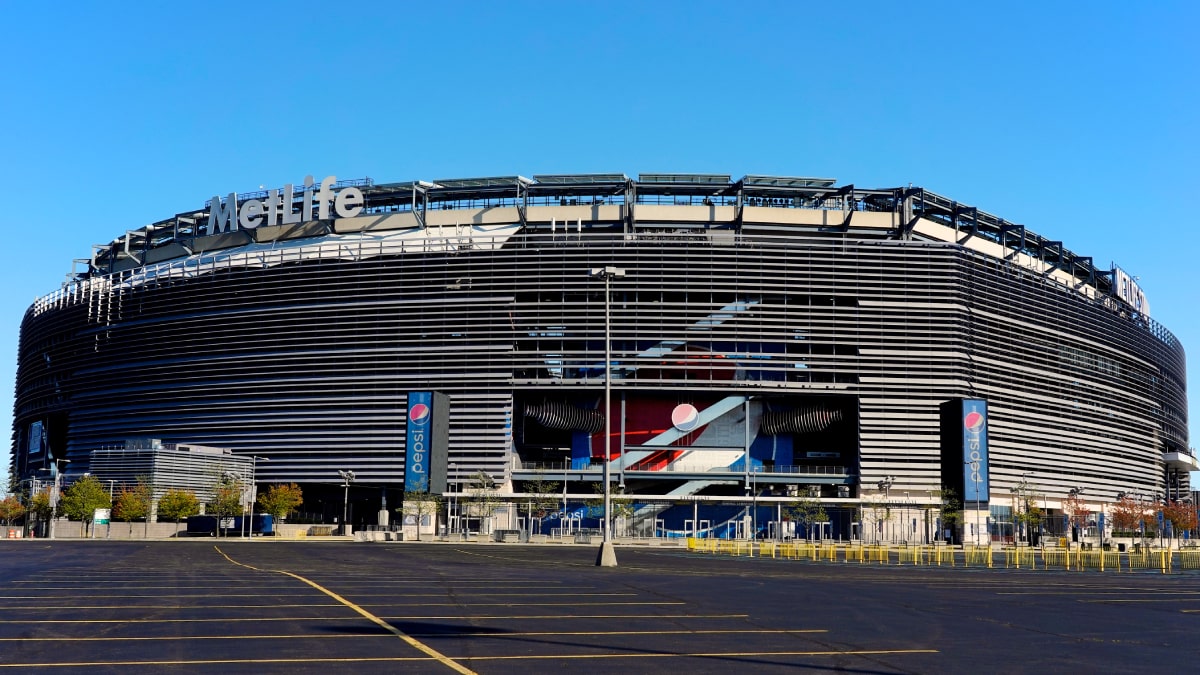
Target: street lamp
253 492
453 522
975 466
752 489
59 464
886 486
347 479
108 528
607 556
1075 506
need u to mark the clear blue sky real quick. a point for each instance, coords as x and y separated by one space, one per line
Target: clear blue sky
1077 120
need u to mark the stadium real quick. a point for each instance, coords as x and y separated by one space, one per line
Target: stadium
759 340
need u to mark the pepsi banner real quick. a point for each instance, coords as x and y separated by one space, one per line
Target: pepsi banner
427 441
975 450
964 440
418 438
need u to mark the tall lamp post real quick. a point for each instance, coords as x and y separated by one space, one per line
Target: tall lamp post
886 485
975 466
248 529
108 528
347 479
607 556
56 493
452 522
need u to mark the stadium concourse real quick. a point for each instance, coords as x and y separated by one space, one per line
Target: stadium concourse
762 357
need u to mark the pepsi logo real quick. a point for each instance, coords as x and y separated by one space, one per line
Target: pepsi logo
418 412
685 417
973 421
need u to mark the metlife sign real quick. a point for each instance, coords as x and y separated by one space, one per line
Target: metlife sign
279 207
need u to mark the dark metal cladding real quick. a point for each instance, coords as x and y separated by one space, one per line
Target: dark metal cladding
303 350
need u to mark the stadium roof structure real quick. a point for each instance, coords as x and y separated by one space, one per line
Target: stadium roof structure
180 231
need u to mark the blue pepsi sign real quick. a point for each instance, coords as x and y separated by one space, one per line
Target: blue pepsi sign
417 441
975 450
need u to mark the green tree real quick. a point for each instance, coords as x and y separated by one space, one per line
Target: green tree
951 509
622 508
419 503
543 497
806 512
82 498
39 505
11 509
280 500
178 504
128 506
226 501
484 495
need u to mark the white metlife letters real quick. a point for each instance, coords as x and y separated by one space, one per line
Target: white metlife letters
279 209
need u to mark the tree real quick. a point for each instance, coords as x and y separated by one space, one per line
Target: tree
1127 513
420 503
1181 516
951 509
484 494
39 505
622 507
128 506
1076 510
881 512
805 511
136 503
1027 514
11 509
177 505
226 501
82 498
280 500
543 497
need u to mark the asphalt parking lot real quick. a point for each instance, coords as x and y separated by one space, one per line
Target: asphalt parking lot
261 606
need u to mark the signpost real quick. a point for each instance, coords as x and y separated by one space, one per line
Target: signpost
100 517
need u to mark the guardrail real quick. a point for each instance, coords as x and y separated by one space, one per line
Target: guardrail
1010 557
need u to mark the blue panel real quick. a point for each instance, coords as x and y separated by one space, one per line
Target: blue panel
417 441
975 450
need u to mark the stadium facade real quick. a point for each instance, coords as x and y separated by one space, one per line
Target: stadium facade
820 330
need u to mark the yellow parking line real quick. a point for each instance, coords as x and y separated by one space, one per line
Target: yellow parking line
165 620
659 655
306 636
533 657
44 607
417 617
109 638
416 644
577 633
94 664
480 617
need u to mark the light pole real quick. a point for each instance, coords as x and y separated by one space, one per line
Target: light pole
59 464
752 489
886 486
254 459
975 465
1076 504
347 479
452 521
607 556
108 528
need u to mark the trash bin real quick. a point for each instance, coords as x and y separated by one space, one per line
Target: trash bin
1120 548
